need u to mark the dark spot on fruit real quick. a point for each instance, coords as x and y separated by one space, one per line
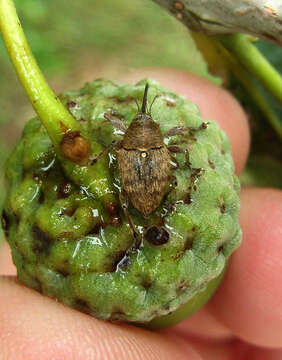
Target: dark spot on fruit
111 208
115 221
70 212
222 208
189 243
170 103
64 191
118 260
5 223
211 164
96 229
157 236
146 283
220 248
71 104
181 288
63 272
82 305
41 197
42 240
187 199
178 255
68 235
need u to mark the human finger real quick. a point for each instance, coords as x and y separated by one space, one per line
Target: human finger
249 299
6 264
33 325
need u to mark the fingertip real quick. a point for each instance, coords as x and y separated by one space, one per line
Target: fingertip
33 324
250 297
6 263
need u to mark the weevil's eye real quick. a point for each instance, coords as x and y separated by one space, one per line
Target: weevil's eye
157 236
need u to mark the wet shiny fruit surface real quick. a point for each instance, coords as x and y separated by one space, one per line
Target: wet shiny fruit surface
70 245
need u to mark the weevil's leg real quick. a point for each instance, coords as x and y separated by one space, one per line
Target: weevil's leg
173 183
169 207
94 159
124 204
197 172
179 130
174 163
177 149
194 177
116 120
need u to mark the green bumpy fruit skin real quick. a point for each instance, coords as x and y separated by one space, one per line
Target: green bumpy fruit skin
67 245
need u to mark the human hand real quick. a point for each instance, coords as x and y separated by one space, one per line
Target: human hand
243 320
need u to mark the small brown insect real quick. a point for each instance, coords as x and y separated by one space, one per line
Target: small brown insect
144 161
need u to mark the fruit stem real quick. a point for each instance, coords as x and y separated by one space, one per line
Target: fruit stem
254 62
55 117
218 56
73 149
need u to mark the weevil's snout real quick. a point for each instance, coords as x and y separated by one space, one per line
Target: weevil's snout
144 113
144 102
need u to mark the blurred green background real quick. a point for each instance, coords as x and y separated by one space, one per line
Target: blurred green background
80 41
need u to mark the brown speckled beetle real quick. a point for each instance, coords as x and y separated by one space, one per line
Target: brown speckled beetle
144 161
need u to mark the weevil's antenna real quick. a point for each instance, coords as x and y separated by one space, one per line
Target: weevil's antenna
144 103
153 103
138 108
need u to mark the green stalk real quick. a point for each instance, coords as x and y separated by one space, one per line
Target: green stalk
248 83
55 117
52 113
218 56
254 62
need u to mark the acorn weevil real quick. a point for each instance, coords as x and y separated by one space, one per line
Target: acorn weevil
143 159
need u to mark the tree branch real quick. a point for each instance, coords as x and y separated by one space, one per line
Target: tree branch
260 18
